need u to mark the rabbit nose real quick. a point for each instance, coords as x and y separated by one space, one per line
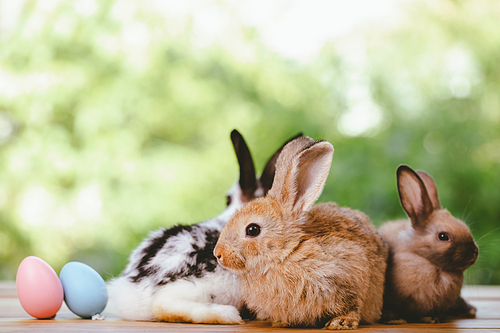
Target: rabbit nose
476 250
218 253
473 252
473 248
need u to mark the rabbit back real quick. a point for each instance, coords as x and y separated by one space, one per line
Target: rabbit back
343 232
174 253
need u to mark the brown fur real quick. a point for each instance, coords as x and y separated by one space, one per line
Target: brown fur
323 265
425 274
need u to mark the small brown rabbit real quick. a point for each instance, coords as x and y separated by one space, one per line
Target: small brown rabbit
428 255
303 266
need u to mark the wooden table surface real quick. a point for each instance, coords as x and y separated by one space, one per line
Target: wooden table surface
14 319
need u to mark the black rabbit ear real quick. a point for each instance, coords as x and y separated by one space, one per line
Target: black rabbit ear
267 177
248 181
414 196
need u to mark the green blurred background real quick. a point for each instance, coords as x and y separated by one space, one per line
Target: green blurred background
115 115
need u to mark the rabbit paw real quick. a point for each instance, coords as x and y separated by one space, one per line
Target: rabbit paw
391 318
347 322
198 313
463 309
469 313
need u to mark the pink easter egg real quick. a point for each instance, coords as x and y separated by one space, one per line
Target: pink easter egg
38 288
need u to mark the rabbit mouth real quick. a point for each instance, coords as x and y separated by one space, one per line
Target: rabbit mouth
468 261
230 261
471 261
473 253
230 267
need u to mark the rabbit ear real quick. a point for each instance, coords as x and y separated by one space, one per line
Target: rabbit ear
431 188
301 173
267 177
413 196
248 181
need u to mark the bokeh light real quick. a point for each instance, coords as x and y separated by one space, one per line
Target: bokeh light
115 115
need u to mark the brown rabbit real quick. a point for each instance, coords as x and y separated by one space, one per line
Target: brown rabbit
303 266
428 255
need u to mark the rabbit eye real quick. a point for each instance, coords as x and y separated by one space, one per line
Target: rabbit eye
443 236
253 230
228 200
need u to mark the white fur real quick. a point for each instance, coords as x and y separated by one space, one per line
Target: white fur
129 300
214 298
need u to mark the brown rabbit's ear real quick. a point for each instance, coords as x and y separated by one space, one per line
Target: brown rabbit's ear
288 153
413 196
267 177
431 188
248 181
300 184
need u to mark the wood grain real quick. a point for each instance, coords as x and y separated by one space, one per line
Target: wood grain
14 319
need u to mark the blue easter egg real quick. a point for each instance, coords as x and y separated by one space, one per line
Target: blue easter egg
85 291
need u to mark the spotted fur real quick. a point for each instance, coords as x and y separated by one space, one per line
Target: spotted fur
173 275
195 243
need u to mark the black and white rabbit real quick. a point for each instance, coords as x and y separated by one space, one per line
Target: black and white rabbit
173 275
